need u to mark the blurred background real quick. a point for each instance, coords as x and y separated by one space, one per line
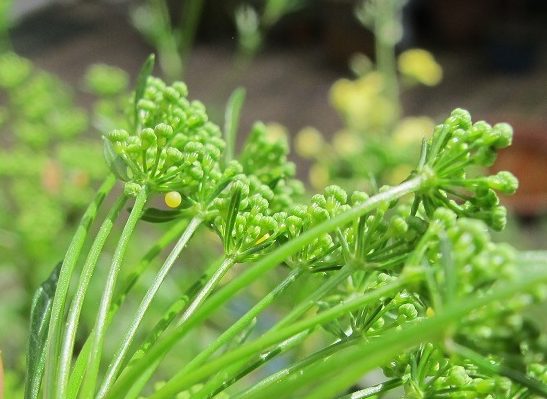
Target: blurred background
351 85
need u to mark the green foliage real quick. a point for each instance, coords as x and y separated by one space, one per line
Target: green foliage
405 278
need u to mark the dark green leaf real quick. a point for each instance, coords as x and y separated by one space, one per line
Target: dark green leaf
154 215
233 210
145 72
39 322
115 162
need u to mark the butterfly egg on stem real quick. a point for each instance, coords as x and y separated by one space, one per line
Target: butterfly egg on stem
173 199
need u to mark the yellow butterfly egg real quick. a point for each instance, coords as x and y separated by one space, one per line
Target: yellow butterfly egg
172 199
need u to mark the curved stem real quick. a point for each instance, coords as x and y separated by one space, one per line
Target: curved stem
88 389
71 326
61 292
121 353
78 371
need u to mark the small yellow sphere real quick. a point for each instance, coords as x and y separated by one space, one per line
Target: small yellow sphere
173 199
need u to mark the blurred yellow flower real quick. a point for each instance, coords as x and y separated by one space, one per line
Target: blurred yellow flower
420 65
346 143
319 176
308 142
412 130
362 102
275 132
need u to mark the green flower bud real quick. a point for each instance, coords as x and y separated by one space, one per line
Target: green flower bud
504 182
117 135
163 130
132 189
504 134
337 193
407 311
148 138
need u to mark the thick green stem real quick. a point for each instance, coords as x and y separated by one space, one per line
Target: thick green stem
267 263
78 372
88 389
88 269
121 353
61 292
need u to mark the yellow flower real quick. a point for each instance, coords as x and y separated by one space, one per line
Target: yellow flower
420 65
319 176
308 142
346 143
412 130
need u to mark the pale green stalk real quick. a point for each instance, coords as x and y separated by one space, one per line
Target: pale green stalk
121 353
88 389
88 269
78 371
61 292
236 328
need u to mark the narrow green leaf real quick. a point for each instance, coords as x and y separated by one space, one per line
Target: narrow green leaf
39 322
231 121
154 215
145 72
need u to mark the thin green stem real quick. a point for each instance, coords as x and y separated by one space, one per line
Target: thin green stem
61 292
187 30
90 381
78 372
236 328
267 263
121 353
374 390
176 385
256 391
88 269
207 289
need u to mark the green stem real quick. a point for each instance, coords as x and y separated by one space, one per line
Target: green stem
267 263
333 282
385 53
121 353
206 290
90 381
174 310
176 385
374 390
257 390
234 373
61 292
88 269
236 328
188 29
78 372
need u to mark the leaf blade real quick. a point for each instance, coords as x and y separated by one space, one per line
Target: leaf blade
39 322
